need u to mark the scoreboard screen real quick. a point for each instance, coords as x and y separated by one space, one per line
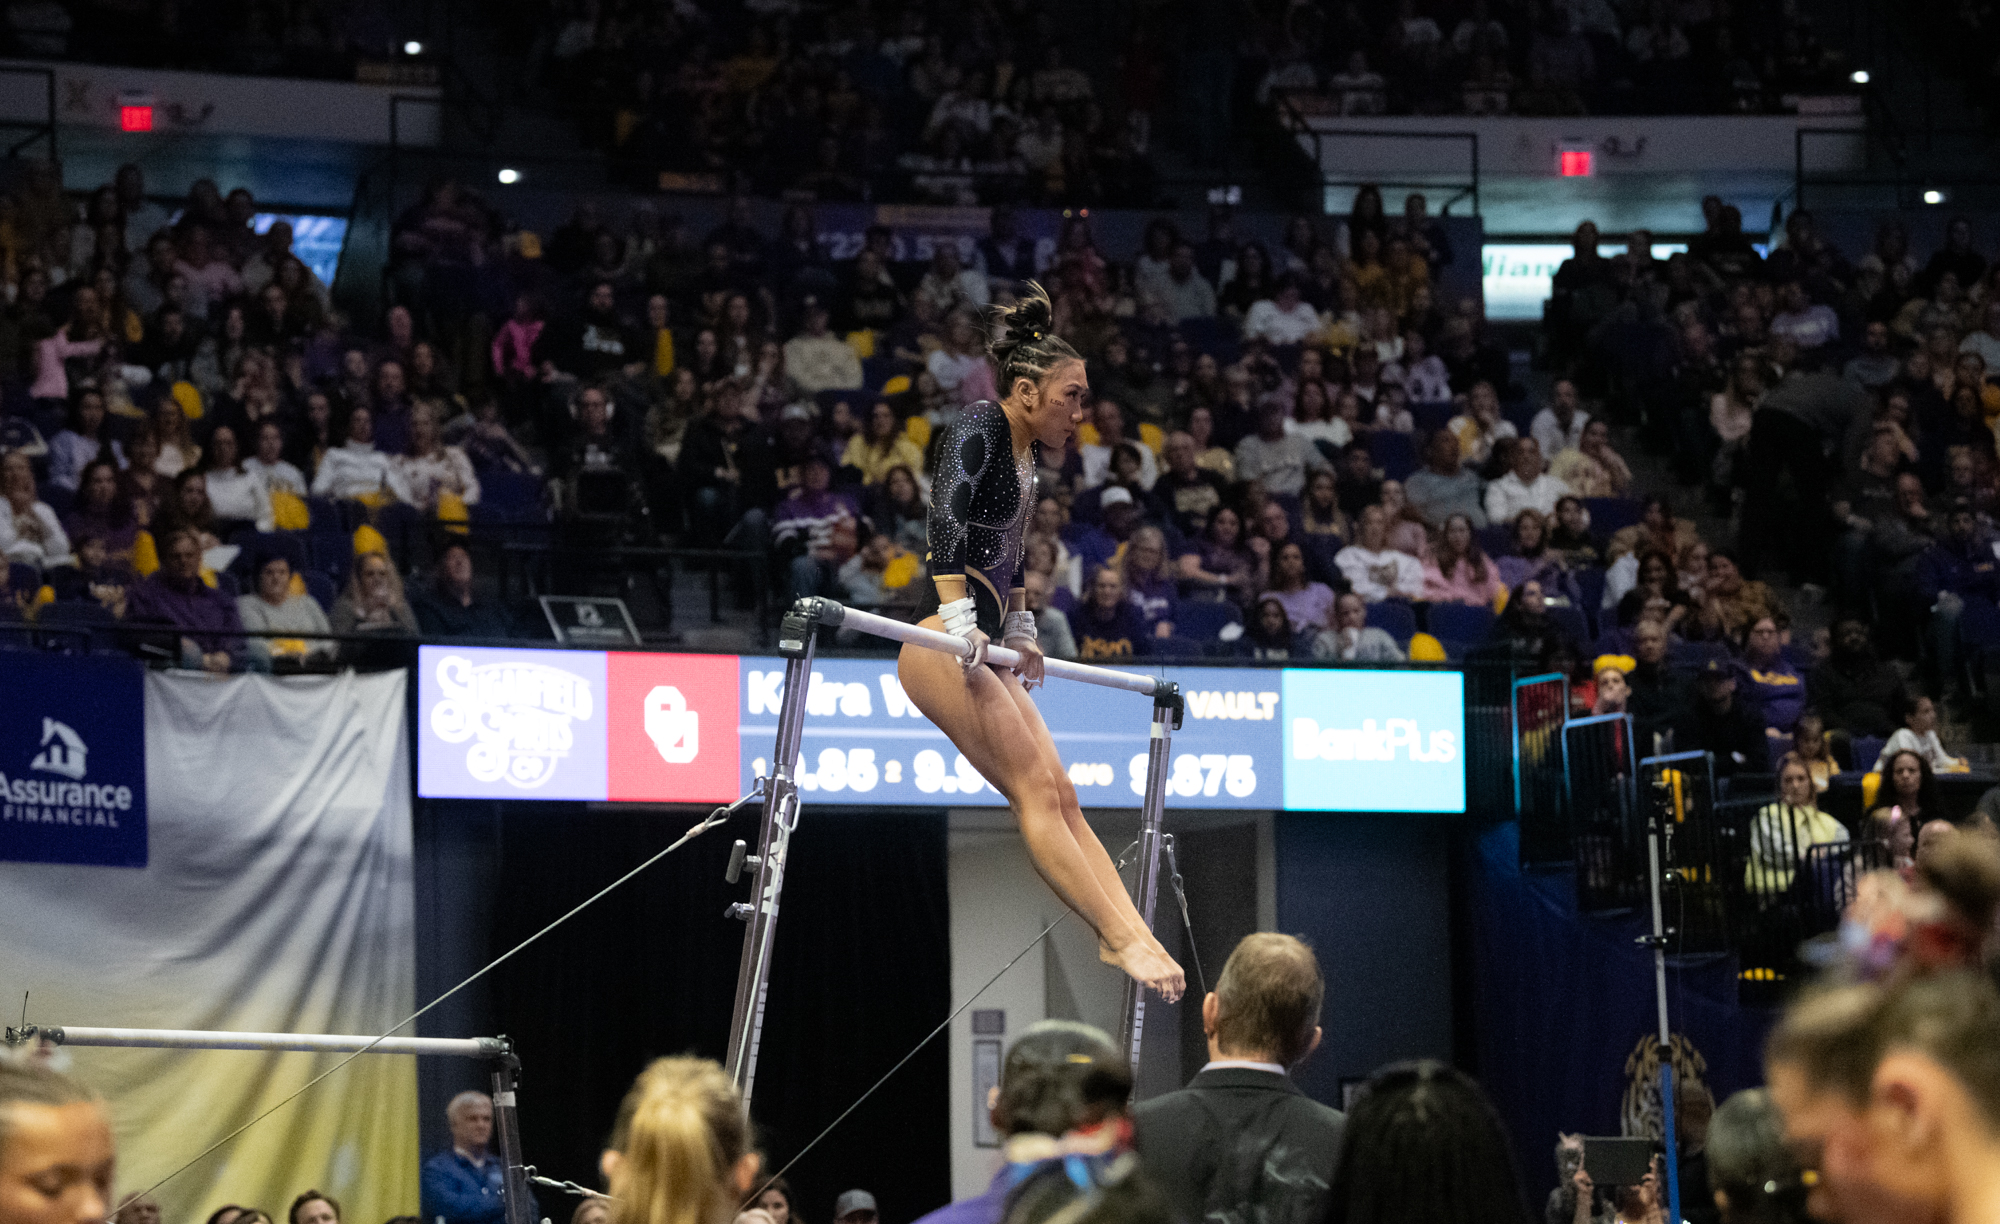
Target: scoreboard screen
680 728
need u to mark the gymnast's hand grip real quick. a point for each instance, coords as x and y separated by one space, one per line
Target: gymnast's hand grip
961 620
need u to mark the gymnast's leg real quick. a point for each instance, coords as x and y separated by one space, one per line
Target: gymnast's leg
984 720
1101 864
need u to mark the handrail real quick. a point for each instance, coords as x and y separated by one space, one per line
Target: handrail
45 130
1300 124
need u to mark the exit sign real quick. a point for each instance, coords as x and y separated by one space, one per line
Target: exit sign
1574 163
135 111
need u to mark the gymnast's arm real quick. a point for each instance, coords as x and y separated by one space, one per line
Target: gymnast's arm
1020 635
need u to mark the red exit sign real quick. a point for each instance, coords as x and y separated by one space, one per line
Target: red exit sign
1574 163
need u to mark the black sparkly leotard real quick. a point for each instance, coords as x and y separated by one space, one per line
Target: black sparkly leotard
981 497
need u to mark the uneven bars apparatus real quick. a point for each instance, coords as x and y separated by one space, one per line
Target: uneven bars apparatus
780 795
498 1050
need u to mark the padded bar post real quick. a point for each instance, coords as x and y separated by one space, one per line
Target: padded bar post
203 1039
831 613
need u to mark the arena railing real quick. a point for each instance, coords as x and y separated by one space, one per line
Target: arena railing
1296 110
36 131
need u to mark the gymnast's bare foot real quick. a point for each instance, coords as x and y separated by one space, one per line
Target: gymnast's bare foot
1147 963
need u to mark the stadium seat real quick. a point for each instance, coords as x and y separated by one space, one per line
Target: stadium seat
1695 655
1202 620
1590 585
1433 416
1395 618
1213 335
1497 540
1800 655
321 588
1863 751
1573 623
257 544
1320 552
1979 624
1609 514
1395 453
78 614
1460 624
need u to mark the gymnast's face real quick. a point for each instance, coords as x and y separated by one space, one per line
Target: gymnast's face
56 1164
1056 407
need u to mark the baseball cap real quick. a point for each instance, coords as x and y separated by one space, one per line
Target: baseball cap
853 1201
1116 495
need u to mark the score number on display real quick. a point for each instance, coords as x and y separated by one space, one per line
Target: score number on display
856 769
1208 774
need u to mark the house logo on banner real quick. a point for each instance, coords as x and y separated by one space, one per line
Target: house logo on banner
63 751
60 801
518 715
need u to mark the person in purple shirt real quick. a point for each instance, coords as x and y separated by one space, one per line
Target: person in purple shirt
211 633
820 522
1150 580
1109 625
1767 679
1059 1077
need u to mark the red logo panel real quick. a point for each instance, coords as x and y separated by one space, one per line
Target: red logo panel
672 727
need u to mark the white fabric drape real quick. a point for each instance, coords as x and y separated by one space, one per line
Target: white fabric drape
278 898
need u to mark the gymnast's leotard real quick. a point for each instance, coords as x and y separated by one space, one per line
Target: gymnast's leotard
981 498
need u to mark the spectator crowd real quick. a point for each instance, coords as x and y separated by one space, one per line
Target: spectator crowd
1499 57
920 101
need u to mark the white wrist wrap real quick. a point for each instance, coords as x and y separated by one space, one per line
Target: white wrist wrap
1019 625
960 617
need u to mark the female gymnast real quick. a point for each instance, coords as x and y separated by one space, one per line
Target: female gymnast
981 499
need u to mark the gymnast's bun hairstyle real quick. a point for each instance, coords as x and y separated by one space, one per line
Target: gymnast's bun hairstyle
1024 343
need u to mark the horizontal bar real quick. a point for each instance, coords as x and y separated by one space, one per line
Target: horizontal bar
931 639
203 1039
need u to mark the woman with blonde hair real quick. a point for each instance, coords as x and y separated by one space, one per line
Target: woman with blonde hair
1785 830
680 1148
373 601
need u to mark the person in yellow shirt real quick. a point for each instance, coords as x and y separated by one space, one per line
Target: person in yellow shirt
1785 830
881 446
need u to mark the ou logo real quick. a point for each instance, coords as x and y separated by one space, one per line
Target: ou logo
674 729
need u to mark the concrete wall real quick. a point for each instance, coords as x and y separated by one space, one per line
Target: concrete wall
999 905
1620 145
1372 892
205 103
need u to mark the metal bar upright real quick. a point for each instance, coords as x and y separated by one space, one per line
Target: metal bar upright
1167 709
518 1205
1658 816
781 812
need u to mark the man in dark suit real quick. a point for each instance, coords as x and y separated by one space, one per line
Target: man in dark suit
1241 1143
